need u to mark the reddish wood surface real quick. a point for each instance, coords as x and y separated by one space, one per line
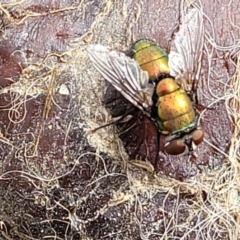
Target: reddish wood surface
51 181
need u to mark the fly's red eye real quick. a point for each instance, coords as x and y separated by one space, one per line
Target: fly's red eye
197 136
175 147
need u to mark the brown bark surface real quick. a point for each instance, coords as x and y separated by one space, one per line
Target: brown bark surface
59 180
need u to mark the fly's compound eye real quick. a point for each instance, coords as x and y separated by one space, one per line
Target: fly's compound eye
175 147
197 136
182 146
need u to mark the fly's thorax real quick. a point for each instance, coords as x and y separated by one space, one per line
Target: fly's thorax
151 58
174 107
166 86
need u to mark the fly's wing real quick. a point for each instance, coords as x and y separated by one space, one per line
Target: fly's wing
186 52
124 74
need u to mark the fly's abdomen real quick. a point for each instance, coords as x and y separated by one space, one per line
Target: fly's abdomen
174 107
151 58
